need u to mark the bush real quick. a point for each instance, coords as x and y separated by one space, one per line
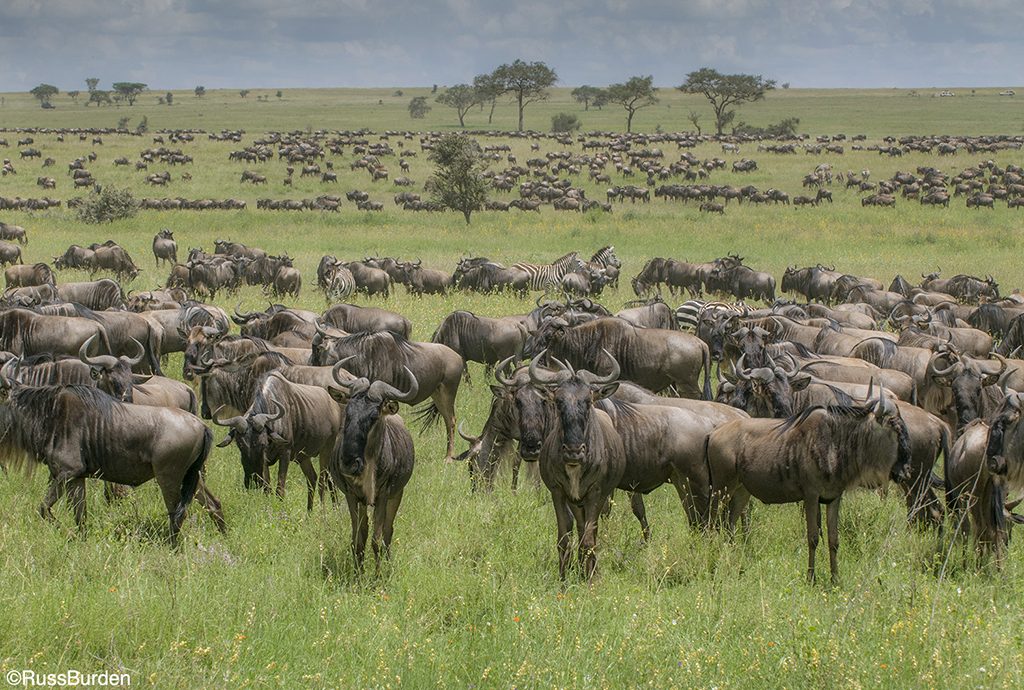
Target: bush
109 204
786 128
565 122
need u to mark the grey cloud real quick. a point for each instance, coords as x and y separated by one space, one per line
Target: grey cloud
224 43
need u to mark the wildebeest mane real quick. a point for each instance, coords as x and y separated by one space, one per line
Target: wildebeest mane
381 355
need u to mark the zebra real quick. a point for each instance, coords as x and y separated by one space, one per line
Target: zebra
605 261
334 279
544 276
688 314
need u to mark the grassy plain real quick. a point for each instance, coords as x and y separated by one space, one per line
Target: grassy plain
472 597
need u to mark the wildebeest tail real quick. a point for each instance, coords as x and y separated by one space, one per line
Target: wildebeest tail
427 415
191 480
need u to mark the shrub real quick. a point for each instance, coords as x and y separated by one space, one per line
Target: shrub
109 204
786 128
565 122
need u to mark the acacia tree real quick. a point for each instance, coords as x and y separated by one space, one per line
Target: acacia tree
586 95
243 93
200 91
458 182
44 92
99 98
91 83
726 90
129 90
461 98
635 94
527 82
487 91
73 95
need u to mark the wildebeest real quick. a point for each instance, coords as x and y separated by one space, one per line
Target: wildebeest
352 318
373 460
582 459
164 247
13 232
811 457
29 276
98 295
984 465
286 422
27 333
481 338
651 357
384 356
81 432
10 253
424 281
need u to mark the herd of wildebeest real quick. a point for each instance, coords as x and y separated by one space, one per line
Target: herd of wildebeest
838 382
554 178
849 383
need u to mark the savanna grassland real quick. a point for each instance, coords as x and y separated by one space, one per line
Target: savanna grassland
472 597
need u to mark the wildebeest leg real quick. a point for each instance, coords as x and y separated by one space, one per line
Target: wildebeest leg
832 516
54 491
311 480
812 511
636 500
324 481
357 514
76 498
737 507
383 529
563 518
445 402
210 503
588 540
579 517
282 475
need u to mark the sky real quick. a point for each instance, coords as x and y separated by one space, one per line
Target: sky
177 44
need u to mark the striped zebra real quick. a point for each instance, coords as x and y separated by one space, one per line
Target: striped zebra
688 314
545 276
605 261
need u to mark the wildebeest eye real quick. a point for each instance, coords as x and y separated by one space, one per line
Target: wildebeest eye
94 374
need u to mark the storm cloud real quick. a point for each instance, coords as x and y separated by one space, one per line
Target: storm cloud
319 43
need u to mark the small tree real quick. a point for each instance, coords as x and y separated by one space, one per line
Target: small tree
91 83
726 90
600 100
129 90
488 89
108 204
585 95
74 95
635 94
434 90
398 93
694 117
527 82
785 85
44 92
169 98
458 182
99 97
200 91
279 94
143 125
461 98
243 93
418 107
565 122
122 123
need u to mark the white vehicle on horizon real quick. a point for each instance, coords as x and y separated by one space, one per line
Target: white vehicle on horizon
1008 92
946 94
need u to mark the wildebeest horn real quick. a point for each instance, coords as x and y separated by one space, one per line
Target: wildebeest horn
384 390
465 436
597 380
498 371
739 369
543 378
940 373
347 385
1002 363
142 353
105 361
264 418
238 423
794 368
243 317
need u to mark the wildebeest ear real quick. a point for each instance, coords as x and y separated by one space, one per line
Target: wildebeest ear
800 382
389 407
227 440
277 438
606 391
338 395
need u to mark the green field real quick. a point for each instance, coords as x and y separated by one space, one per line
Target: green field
472 596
